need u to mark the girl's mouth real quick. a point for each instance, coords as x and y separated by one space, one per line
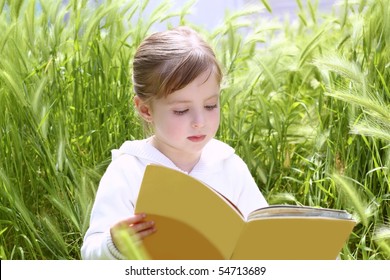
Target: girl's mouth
197 138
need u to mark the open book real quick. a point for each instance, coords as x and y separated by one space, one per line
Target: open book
193 221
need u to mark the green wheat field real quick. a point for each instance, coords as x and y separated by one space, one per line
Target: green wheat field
305 104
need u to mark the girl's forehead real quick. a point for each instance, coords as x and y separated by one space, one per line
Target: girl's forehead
181 99
207 81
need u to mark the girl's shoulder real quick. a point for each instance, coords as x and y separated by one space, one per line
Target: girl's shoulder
141 151
220 154
130 147
217 150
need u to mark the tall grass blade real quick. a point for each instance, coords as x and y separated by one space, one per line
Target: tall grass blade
130 247
267 5
352 197
382 238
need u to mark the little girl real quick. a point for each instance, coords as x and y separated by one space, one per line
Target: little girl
177 84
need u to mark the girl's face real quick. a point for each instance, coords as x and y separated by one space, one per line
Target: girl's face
186 119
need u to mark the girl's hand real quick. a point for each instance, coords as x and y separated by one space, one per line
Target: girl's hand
135 226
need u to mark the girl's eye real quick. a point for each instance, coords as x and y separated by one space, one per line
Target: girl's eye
211 107
180 112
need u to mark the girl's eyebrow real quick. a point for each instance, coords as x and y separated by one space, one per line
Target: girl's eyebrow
174 102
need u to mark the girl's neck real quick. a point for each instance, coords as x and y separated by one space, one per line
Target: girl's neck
185 162
186 167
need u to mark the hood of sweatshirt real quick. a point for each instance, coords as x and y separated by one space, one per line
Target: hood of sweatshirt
213 154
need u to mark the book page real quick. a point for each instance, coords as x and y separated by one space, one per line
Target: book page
296 211
293 238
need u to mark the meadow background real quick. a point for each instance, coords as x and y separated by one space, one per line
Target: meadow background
304 103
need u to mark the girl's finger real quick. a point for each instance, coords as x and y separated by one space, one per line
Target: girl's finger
139 227
137 218
142 234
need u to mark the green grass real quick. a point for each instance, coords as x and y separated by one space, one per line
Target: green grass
305 104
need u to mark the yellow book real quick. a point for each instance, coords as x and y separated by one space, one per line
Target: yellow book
193 221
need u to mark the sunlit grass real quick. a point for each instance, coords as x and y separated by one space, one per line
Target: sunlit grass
304 103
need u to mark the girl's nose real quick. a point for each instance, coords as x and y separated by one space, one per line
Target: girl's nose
198 120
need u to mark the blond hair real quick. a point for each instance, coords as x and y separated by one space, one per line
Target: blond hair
168 61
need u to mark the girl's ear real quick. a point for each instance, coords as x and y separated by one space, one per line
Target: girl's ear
143 109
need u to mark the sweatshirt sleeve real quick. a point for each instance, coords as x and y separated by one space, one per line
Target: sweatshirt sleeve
114 202
249 197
